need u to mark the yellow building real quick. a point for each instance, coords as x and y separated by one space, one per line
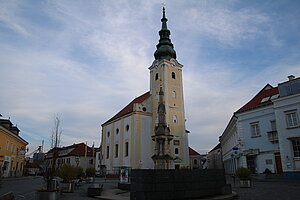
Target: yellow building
12 149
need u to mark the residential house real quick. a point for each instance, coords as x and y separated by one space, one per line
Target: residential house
250 138
264 133
195 159
287 112
12 149
215 158
77 155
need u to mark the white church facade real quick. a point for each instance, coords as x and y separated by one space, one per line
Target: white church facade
139 136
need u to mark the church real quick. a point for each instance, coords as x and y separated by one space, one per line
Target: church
150 132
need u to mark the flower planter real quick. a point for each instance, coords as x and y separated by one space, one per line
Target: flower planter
67 187
245 183
47 195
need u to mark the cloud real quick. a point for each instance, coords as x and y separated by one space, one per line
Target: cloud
86 61
12 21
223 23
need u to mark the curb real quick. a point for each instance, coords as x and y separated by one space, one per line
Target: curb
111 196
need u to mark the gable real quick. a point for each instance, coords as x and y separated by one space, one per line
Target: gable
263 98
129 108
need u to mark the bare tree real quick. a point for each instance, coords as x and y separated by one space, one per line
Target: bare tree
55 142
56 132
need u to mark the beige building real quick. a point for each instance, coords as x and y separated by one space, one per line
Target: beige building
129 138
12 149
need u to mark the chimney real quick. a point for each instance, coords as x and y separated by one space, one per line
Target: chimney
291 77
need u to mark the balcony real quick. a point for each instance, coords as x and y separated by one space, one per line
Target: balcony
273 136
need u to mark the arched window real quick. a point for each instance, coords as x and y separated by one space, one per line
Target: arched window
126 148
116 150
108 134
175 119
174 94
156 76
107 152
176 151
173 75
195 161
127 127
117 131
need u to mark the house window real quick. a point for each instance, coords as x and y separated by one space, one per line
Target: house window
269 162
175 119
107 152
292 119
156 76
117 131
7 146
296 147
176 151
174 94
173 75
108 134
273 125
116 150
126 149
255 131
195 161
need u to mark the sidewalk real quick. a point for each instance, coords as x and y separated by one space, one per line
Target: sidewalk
19 178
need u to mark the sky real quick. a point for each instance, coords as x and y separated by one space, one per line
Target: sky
85 60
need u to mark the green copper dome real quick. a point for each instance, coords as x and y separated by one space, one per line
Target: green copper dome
165 48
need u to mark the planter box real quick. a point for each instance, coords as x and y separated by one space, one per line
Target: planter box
245 183
95 190
45 195
67 187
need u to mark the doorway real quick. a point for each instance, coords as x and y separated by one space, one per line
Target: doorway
251 163
278 163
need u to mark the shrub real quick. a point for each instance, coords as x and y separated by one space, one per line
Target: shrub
79 172
68 173
243 173
90 172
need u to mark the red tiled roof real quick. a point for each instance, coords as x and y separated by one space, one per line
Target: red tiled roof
129 107
79 150
267 91
192 152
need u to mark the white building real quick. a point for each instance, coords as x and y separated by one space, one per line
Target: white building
128 138
264 133
250 138
77 155
287 112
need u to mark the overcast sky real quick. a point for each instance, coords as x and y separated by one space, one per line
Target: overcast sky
86 60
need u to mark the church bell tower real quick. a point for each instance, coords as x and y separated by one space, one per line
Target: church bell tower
170 140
